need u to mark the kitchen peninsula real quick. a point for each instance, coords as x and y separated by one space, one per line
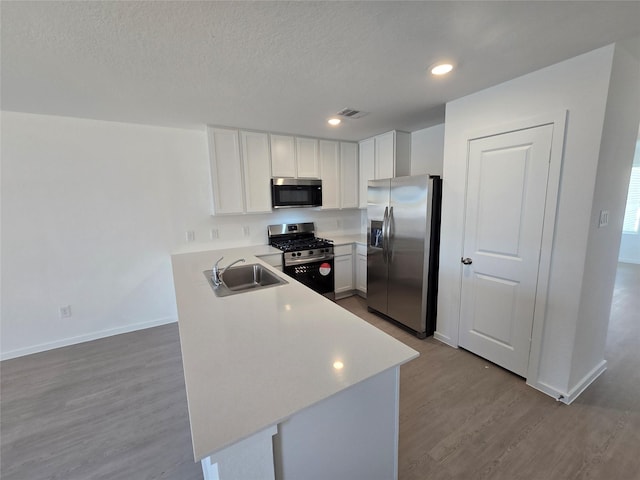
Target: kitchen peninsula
282 382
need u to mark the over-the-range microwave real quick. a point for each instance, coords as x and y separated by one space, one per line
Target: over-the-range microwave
296 192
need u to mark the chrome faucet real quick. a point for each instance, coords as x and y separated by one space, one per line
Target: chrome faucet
216 272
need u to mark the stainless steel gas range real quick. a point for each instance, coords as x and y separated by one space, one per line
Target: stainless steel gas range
305 257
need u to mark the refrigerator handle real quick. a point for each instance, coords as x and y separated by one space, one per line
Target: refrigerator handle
390 235
385 233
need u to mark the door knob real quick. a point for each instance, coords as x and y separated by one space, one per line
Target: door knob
466 261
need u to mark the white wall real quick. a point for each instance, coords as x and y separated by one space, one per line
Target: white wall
612 179
579 85
427 150
630 243
91 212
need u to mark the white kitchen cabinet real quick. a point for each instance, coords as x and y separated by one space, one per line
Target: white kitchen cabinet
273 259
330 167
343 265
256 163
366 168
361 269
226 171
384 156
307 160
348 175
240 171
283 156
294 157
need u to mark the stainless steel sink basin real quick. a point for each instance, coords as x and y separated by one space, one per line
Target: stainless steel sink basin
244 278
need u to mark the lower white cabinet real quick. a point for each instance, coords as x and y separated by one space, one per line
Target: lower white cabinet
273 259
343 265
361 269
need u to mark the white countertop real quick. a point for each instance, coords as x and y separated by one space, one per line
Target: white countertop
360 238
254 359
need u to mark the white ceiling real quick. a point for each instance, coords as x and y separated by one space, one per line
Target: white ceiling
284 66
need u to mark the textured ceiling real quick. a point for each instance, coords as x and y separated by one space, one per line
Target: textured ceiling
284 66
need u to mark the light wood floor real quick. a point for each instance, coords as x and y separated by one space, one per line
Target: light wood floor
116 408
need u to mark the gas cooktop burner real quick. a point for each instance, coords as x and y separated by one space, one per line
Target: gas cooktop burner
296 244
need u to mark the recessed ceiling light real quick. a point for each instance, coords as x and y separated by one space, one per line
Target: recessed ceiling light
441 69
334 121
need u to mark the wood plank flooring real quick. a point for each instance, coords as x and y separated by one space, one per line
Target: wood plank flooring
116 408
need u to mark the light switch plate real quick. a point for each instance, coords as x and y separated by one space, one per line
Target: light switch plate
604 218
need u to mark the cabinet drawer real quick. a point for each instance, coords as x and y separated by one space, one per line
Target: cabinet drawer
361 249
343 250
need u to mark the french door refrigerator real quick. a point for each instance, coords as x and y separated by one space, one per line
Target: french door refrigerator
403 237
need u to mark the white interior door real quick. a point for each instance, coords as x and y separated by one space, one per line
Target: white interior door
506 191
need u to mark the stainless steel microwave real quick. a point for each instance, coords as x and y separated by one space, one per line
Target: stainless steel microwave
296 192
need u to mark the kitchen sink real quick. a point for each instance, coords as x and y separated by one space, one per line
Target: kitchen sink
244 278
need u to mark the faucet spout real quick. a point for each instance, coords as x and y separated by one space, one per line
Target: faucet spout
217 272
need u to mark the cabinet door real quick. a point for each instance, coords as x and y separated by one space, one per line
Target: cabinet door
366 168
226 171
348 175
343 273
330 166
385 155
283 156
307 158
361 268
257 168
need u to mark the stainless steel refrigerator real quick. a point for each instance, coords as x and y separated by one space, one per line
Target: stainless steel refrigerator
403 245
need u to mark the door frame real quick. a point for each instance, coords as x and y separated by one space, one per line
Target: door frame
558 119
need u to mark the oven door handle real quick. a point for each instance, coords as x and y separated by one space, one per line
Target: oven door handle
304 261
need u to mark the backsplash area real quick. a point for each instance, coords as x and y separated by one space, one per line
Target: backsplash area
235 230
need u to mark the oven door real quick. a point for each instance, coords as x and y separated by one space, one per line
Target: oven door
317 275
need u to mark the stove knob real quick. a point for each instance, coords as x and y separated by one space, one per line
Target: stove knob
299 253
310 252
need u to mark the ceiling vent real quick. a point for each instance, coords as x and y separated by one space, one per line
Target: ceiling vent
351 113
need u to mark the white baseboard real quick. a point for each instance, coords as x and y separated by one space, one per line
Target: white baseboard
572 394
444 339
64 342
586 381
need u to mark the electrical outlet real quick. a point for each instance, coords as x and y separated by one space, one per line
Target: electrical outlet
191 235
339 223
214 234
246 230
604 218
65 311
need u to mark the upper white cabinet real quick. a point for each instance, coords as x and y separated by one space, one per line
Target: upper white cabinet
384 156
256 163
240 171
330 166
294 157
307 158
339 166
366 168
243 162
348 175
283 156
226 171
